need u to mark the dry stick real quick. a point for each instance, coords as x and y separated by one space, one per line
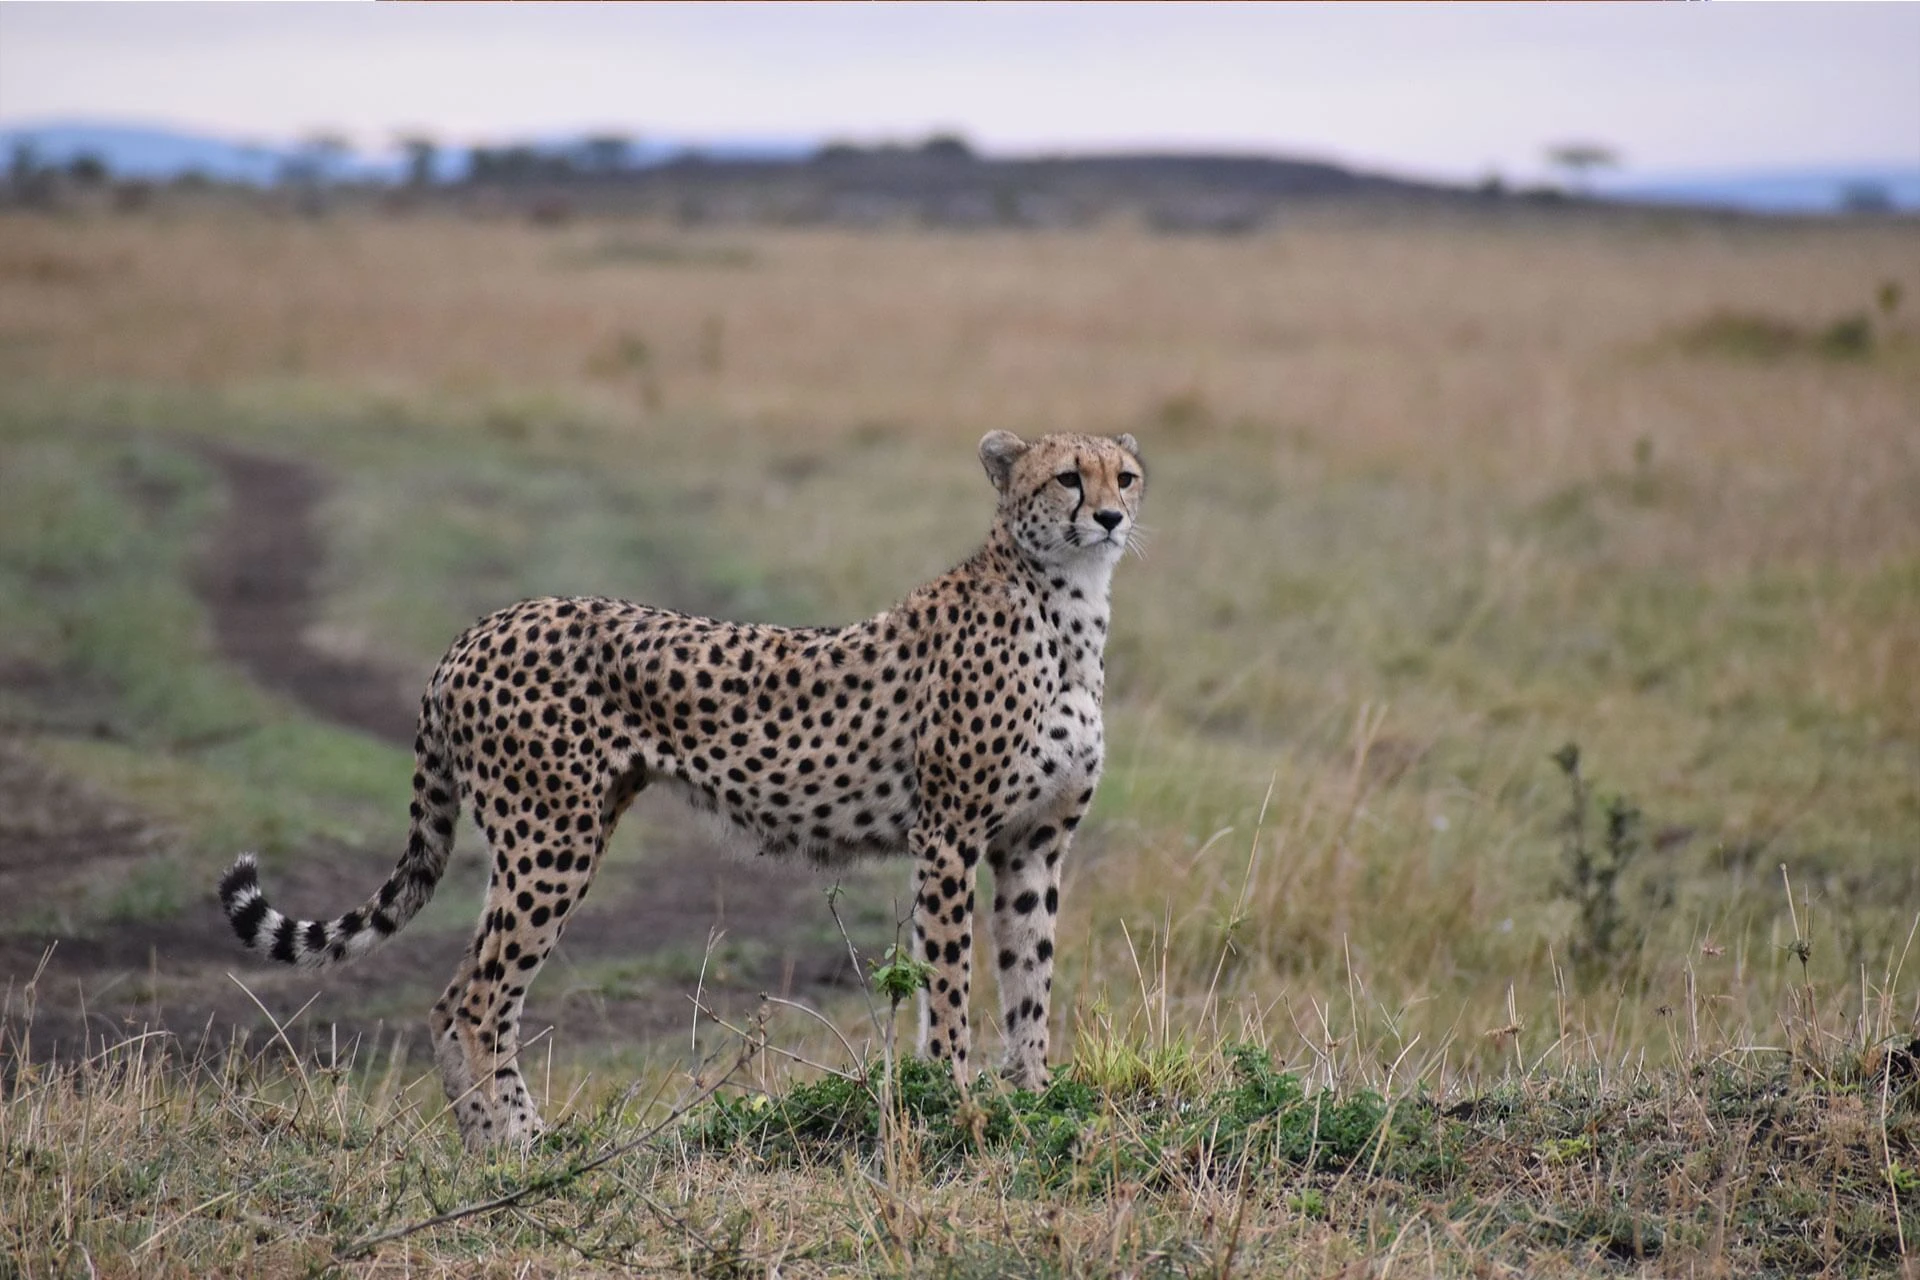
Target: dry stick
1886 1151
699 988
32 995
553 1181
666 1217
1240 901
1139 974
789 1054
853 955
1802 950
1893 972
1386 1119
823 1020
280 1034
1235 1228
190 1214
120 1046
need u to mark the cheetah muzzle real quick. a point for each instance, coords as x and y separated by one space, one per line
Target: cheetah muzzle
963 724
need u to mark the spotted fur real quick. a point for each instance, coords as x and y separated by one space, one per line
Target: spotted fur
962 725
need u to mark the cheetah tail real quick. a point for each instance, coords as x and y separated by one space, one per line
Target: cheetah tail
319 944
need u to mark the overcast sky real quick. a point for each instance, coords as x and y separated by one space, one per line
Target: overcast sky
1444 91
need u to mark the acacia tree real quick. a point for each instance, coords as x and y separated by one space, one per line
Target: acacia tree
313 165
1579 159
421 152
606 152
25 166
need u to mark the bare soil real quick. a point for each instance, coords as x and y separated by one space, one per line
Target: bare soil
624 972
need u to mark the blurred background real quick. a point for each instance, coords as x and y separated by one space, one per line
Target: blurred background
1525 660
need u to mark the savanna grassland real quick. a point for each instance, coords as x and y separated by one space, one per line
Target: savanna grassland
1509 855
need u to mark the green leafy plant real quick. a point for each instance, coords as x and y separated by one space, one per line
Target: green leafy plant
899 976
1590 875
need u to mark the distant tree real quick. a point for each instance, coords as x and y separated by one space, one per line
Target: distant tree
132 195
24 166
312 167
605 152
87 169
1866 197
519 164
838 151
260 162
1579 159
326 151
30 180
297 170
947 146
421 152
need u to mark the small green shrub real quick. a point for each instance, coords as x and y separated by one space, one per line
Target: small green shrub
1848 338
1256 1116
1755 336
1590 876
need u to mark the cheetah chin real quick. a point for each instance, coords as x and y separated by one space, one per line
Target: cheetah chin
962 724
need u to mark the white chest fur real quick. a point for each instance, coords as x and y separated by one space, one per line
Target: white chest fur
1074 616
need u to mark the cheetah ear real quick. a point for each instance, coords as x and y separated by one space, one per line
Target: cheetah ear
999 450
1127 442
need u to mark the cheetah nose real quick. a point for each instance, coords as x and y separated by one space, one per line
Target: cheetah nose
1109 520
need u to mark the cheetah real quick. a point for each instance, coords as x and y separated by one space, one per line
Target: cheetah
962 725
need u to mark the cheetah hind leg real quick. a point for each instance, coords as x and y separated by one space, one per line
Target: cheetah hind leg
480 1072
455 1050
476 1024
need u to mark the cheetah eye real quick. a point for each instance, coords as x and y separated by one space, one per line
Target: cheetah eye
1126 479
1071 479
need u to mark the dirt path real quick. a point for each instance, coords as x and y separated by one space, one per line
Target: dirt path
259 578
625 968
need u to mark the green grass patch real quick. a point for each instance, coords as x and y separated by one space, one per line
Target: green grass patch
1258 1117
1753 336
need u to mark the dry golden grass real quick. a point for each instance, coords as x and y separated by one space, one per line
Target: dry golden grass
1429 499
1406 344
1144 1159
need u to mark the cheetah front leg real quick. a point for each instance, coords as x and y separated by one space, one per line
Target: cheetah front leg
1026 906
943 936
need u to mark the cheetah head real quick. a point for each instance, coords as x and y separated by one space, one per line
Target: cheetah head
1066 499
